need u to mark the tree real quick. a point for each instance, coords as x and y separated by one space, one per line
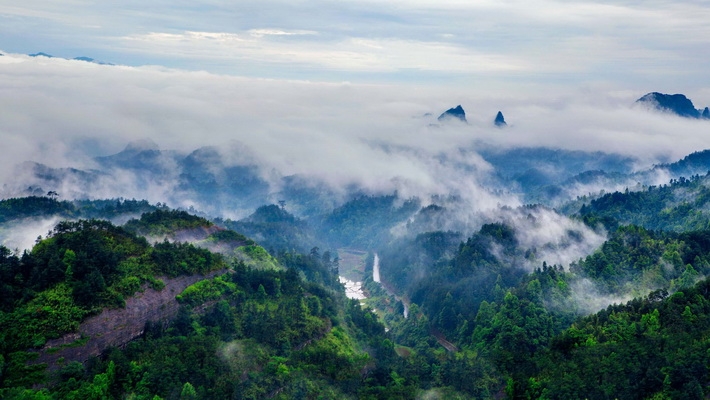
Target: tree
188 392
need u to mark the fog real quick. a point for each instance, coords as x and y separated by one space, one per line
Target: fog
376 138
63 113
21 235
586 298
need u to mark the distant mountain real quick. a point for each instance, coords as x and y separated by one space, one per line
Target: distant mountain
91 60
275 228
80 58
697 163
500 120
453 113
675 103
555 164
141 155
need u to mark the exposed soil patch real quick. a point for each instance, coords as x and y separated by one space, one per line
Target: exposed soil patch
118 326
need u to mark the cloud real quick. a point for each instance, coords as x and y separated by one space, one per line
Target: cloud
62 113
279 32
586 298
22 235
355 54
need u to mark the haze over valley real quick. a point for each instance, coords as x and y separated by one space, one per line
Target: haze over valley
354 200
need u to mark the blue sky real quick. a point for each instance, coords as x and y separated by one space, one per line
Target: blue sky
513 45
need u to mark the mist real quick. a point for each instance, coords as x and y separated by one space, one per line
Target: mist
377 137
22 235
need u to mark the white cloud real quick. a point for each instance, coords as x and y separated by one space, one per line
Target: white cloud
56 111
279 32
352 54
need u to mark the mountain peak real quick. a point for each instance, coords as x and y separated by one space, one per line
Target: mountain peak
500 120
456 112
675 103
138 146
41 54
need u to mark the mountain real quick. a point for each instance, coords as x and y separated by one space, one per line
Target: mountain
91 60
274 228
94 311
674 103
453 113
80 58
518 306
499 121
142 155
697 163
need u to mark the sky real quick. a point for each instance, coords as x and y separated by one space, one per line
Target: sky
483 46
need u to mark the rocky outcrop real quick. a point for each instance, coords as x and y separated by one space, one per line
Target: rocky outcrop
674 103
500 120
118 326
453 113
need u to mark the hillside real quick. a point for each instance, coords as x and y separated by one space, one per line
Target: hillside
512 302
91 288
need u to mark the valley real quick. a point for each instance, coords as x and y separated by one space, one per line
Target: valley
354 200
510 274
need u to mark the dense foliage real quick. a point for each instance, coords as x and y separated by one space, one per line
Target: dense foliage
679 206
165 222
365 221
487 317
76 271
247 334
274 228
49 206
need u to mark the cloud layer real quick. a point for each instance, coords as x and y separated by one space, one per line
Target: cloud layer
62 113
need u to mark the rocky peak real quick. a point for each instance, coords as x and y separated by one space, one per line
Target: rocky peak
456 112
500 120
675 103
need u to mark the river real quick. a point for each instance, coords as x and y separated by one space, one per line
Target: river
376 278
353 289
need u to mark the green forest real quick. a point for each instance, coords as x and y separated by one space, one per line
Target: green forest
252 310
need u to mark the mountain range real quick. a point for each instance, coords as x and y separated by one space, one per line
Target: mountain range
536 272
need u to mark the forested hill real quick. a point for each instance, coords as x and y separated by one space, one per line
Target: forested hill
48 206
609 303
259 330
680 205
651 348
